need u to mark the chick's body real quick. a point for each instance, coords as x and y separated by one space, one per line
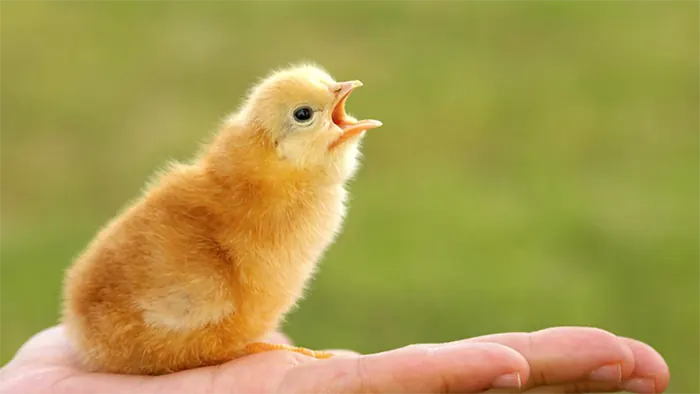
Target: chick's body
215 252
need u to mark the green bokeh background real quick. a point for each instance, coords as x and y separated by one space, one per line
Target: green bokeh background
538 165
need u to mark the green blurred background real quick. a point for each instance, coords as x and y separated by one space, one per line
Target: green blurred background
538 165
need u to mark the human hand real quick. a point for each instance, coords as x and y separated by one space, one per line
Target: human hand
556 360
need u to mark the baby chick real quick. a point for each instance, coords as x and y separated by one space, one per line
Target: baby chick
207 262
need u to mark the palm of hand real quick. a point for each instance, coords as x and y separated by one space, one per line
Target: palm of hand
554 360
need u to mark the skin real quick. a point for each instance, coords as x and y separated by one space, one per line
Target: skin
555 360
218 250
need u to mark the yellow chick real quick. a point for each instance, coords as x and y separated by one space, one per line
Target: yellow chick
207 262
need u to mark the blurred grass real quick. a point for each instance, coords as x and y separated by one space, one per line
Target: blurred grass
538 165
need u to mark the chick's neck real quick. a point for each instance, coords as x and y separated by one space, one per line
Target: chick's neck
250 152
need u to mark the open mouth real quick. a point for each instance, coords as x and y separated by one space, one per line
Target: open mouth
349 126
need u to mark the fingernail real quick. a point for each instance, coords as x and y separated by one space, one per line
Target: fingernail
507 381
608 373
639 385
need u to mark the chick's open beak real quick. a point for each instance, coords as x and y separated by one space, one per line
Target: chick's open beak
349 126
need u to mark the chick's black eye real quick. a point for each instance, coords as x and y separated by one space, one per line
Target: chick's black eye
303 114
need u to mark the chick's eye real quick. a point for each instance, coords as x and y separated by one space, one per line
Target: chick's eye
303 114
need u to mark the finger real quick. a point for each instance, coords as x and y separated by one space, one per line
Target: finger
48 347
566 355
459 367
651 374
49 340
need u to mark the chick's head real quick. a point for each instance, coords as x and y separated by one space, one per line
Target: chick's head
301 110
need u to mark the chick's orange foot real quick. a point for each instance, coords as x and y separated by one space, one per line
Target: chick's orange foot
260 347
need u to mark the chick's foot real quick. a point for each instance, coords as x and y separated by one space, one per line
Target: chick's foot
259 347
